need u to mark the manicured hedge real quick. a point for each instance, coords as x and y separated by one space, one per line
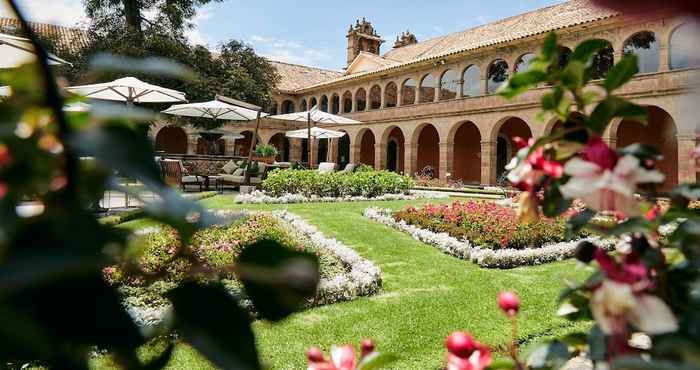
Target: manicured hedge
336 184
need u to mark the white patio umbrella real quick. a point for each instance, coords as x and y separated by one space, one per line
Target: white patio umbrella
315 116
16 51
130 90
5 91
316 133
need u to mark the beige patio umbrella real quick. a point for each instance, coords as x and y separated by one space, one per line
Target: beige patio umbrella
313 117
130 90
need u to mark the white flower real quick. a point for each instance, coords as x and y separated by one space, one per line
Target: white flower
604 189
648 313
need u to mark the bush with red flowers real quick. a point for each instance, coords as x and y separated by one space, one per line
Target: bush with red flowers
486 224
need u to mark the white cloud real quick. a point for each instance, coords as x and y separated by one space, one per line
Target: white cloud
194 34
288 51
63 12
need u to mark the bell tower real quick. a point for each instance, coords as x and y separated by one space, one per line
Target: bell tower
362 37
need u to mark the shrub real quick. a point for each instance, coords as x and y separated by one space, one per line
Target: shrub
266 150
486 224
335 184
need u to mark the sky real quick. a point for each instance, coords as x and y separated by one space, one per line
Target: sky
312 32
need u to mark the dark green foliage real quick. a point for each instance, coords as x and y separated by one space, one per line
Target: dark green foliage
367 183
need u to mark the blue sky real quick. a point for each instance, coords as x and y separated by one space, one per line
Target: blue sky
313 32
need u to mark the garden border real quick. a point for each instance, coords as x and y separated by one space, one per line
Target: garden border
483 257
259 197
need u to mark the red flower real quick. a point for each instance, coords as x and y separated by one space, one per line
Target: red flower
3 189
5 156
598 152
509 303
464 353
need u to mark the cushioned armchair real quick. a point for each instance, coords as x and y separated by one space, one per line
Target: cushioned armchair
237 178
175 174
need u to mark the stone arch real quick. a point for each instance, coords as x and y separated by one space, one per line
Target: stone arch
503 134
281 142
496 75
427 143
324 103
375 97
313 102
304 106
683 44
347 102
408 92
471 81
394 140
360 100
367 145
522 62
171 140
660 132
335 104
646 46
427 88
391 95
555 123
343 150
466 162
287 107
450 81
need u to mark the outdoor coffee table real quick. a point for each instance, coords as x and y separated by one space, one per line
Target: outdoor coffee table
208 179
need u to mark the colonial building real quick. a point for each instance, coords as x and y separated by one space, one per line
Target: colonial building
432 102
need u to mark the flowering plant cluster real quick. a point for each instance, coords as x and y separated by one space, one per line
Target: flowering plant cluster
486 224
648 289
262 197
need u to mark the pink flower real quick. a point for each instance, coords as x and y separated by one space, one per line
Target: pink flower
606 189
527 172
5 156
464 353
509 303
3 189
598 152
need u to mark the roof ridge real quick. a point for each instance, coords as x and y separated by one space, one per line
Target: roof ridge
301 65
35 23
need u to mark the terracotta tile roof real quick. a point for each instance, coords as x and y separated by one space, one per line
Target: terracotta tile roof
294 77
70 38
568 14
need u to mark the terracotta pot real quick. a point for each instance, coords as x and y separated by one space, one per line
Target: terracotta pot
266 160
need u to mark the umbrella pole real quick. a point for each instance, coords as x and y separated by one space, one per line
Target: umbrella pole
308 133
253 142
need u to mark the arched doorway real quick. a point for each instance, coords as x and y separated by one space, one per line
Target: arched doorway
429 150
660 132
467 154
281 142
395 151
505 143
171 140
367 148
343 151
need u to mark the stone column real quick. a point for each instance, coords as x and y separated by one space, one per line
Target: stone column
488 163
333 149
460 91
230 147
354 103
355 153
446 156
382 98
437 92
379 156
313 161
664 57
686 165
418 90
410 159
399 95
484 85
295 150
192 143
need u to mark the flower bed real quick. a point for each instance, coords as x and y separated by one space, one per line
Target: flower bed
309 183
482 256
261 197
344 274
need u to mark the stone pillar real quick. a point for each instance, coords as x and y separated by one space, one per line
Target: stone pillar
379 156
295 150
192 143
664 57
410 159
399 95
460 92
333 150
313 161
437 92
488 162
686 165
446 156
382 98
418 91
484 85
354 103
355 153
230 147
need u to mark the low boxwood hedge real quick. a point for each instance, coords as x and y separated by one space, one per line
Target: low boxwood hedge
336 184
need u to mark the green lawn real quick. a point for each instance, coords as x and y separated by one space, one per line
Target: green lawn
426 296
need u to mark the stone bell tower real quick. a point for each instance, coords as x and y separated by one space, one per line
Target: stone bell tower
362 37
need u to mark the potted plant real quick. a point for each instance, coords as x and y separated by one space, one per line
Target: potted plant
265 153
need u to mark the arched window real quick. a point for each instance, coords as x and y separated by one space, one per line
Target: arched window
304 105
287 107
497 75
361 100
324 103
564 55
313 103
408 92
335 104
347 102
602 62
375 97
684 47
390 95
427 89
645 46
472 81
449 85
523 62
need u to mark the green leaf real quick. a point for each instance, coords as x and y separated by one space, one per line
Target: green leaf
587 49
621 72
578 221
521 82
638 363
573 75
631 225
550 48
612 107
554 203
502 364
277 279
211 320
376 360
549 356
